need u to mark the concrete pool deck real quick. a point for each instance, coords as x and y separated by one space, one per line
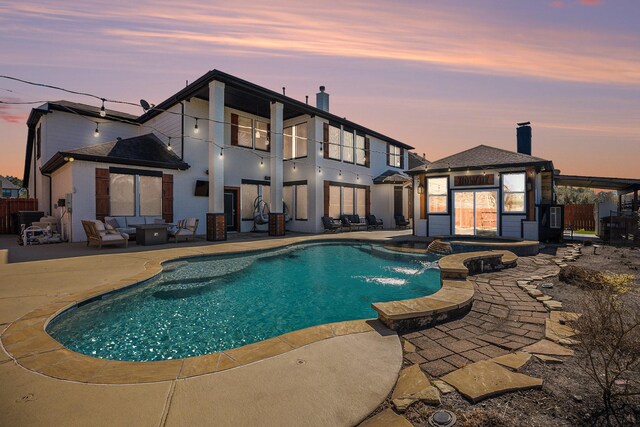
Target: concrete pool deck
337 380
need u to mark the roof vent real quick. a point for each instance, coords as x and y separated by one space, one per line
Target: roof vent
322 100
523 135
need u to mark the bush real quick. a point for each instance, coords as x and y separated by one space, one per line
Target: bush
609 334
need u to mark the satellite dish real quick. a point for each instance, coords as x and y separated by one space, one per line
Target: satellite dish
145 105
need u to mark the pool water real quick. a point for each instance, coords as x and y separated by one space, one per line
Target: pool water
211 304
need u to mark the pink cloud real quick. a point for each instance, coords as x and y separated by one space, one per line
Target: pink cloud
590 2
556 4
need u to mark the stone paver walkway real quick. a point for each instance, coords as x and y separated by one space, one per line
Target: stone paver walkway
503 319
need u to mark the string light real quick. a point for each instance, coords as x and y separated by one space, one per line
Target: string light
358 177
221 148
169 146
195 128
261 161
319 169
294 165
96 133
103 113
340 174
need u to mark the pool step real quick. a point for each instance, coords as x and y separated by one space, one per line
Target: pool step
439 247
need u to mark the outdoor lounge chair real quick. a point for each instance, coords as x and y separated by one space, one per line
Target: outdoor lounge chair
373 222
98 234
331 224
184 230
401 222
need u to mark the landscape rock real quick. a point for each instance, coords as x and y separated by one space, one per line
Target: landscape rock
548 348
413 385
567 316
387 418
408 347
443 387
535 293
512 360
548 359
544 298
552 305
480 380
555 331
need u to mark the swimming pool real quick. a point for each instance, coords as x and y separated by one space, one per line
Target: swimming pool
215 303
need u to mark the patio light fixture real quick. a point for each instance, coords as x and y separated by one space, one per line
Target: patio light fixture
103 112
96 133
420 188
195 128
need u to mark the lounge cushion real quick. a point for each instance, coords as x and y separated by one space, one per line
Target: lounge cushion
110 229
109 237
113 222
100 227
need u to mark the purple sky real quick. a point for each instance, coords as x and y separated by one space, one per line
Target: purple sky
442 76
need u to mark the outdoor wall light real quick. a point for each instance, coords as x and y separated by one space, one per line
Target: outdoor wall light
420 188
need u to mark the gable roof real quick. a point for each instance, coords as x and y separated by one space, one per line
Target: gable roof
7 185
144 150
480 157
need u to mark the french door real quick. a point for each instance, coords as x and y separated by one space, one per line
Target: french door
475 212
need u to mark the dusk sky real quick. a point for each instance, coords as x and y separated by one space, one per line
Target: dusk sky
442 76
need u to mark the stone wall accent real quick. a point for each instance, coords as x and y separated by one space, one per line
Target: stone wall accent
216 227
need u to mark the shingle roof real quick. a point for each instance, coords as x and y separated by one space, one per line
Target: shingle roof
482 156
144 150
7 185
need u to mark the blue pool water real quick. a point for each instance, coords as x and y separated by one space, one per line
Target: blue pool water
211 304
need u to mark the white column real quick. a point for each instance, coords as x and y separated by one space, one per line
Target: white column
216 134
275 139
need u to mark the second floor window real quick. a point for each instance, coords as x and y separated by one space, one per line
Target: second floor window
394 156
347 151
334 143
249 133
295 141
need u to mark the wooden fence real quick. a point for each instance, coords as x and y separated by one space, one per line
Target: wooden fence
12 206
581 217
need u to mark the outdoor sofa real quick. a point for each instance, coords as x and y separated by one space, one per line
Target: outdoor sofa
127 224
331 224
98 234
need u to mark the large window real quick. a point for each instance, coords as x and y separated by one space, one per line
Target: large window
437 197
361 152
246 132
122 194
295 141
347 151
395 156
150 191
131 194
334 143
513 192
347 200
249 197
295 197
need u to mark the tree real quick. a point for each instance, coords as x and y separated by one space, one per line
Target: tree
575 195
14 180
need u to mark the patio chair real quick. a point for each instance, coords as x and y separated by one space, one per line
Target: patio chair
331 224
184 230
401 222
374 222
98 234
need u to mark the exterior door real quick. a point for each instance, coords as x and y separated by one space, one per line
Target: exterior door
475 213
397 201
230 209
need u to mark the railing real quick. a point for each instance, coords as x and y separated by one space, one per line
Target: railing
9 207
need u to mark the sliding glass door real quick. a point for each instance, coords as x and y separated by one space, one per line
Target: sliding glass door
475 213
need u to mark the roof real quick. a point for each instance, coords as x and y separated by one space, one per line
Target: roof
7 185
623 185
391 176
416 160
145 150
199 88
481 157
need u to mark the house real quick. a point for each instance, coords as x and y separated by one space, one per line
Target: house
237 156
8 190
488 191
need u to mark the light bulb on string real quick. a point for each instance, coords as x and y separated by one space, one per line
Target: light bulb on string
195 128
319 169
261 161
221 151
96 133
169 145
294 165
103 112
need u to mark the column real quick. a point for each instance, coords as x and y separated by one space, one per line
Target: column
216 226
276 217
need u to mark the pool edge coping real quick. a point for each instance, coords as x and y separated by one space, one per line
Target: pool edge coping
28 344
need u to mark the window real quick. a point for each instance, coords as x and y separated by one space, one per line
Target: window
150 191
301 202
249 195
513 192
334 201
361 202
437 197
347 153
555 217
347 201
287 196
361 152
245 132
334 143
394 156
262 135
295 141
122 194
